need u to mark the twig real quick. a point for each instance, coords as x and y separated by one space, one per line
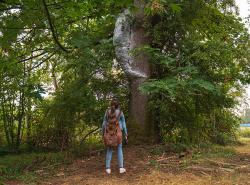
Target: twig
32 57
226 169
18 6
34 163
198 168
218 163
163 159
91 132
35 50
10 8
20 28
91 153
58 3
52 28
41 62
52 165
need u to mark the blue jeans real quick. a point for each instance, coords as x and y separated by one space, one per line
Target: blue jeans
119 155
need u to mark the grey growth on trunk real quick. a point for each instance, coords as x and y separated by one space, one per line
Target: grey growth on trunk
129 34
123 45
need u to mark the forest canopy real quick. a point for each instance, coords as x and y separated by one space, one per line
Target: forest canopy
59 69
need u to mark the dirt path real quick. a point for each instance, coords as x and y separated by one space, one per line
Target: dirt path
145 168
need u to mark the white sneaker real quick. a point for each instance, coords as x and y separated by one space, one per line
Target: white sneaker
122 170
108 171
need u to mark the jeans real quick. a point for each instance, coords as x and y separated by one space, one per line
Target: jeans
119 155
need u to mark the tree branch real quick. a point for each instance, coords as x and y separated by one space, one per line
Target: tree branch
41 62
91 132
32 57
19 28
35 50
10 8
58 3
52 28
19 6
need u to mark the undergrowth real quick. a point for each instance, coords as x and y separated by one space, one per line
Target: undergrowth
244 132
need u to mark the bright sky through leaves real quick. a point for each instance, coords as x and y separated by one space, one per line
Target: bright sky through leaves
244 7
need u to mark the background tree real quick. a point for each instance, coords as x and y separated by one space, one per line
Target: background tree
246 116
189 58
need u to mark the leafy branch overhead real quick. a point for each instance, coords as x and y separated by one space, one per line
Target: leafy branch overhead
54 34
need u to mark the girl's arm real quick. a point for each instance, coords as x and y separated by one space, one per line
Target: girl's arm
124 128
105 121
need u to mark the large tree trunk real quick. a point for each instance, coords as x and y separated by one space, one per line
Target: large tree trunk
54 76
130 34
28 113
138 101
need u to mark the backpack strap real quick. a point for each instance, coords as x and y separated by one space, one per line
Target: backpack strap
119 115
106 114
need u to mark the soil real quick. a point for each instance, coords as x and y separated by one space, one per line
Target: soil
144 168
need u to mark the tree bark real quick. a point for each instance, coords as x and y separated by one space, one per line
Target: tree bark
53 75
20 119
128 36
28 113
138 101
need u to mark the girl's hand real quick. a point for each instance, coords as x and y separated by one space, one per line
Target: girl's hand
126 138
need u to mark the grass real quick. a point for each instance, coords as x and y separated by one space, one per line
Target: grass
161 164
202 154
85 148
194 154
201 151
214 151
244 132
170 147
23 166
29 167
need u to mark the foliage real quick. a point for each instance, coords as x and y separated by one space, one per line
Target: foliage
200 61
246 116
18 90
20 166
76 62
58 73
244 132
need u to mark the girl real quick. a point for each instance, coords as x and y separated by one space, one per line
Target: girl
114 108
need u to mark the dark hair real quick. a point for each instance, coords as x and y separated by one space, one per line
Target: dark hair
114 105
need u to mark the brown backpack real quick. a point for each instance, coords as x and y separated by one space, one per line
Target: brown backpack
112 133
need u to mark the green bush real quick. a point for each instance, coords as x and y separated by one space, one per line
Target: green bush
244 132
20 166
170 147
195 86
92 143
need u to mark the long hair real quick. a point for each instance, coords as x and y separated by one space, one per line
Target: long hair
114 105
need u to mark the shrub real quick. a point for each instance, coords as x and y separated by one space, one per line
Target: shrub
244 132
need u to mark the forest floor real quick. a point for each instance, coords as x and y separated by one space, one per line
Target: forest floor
156 165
